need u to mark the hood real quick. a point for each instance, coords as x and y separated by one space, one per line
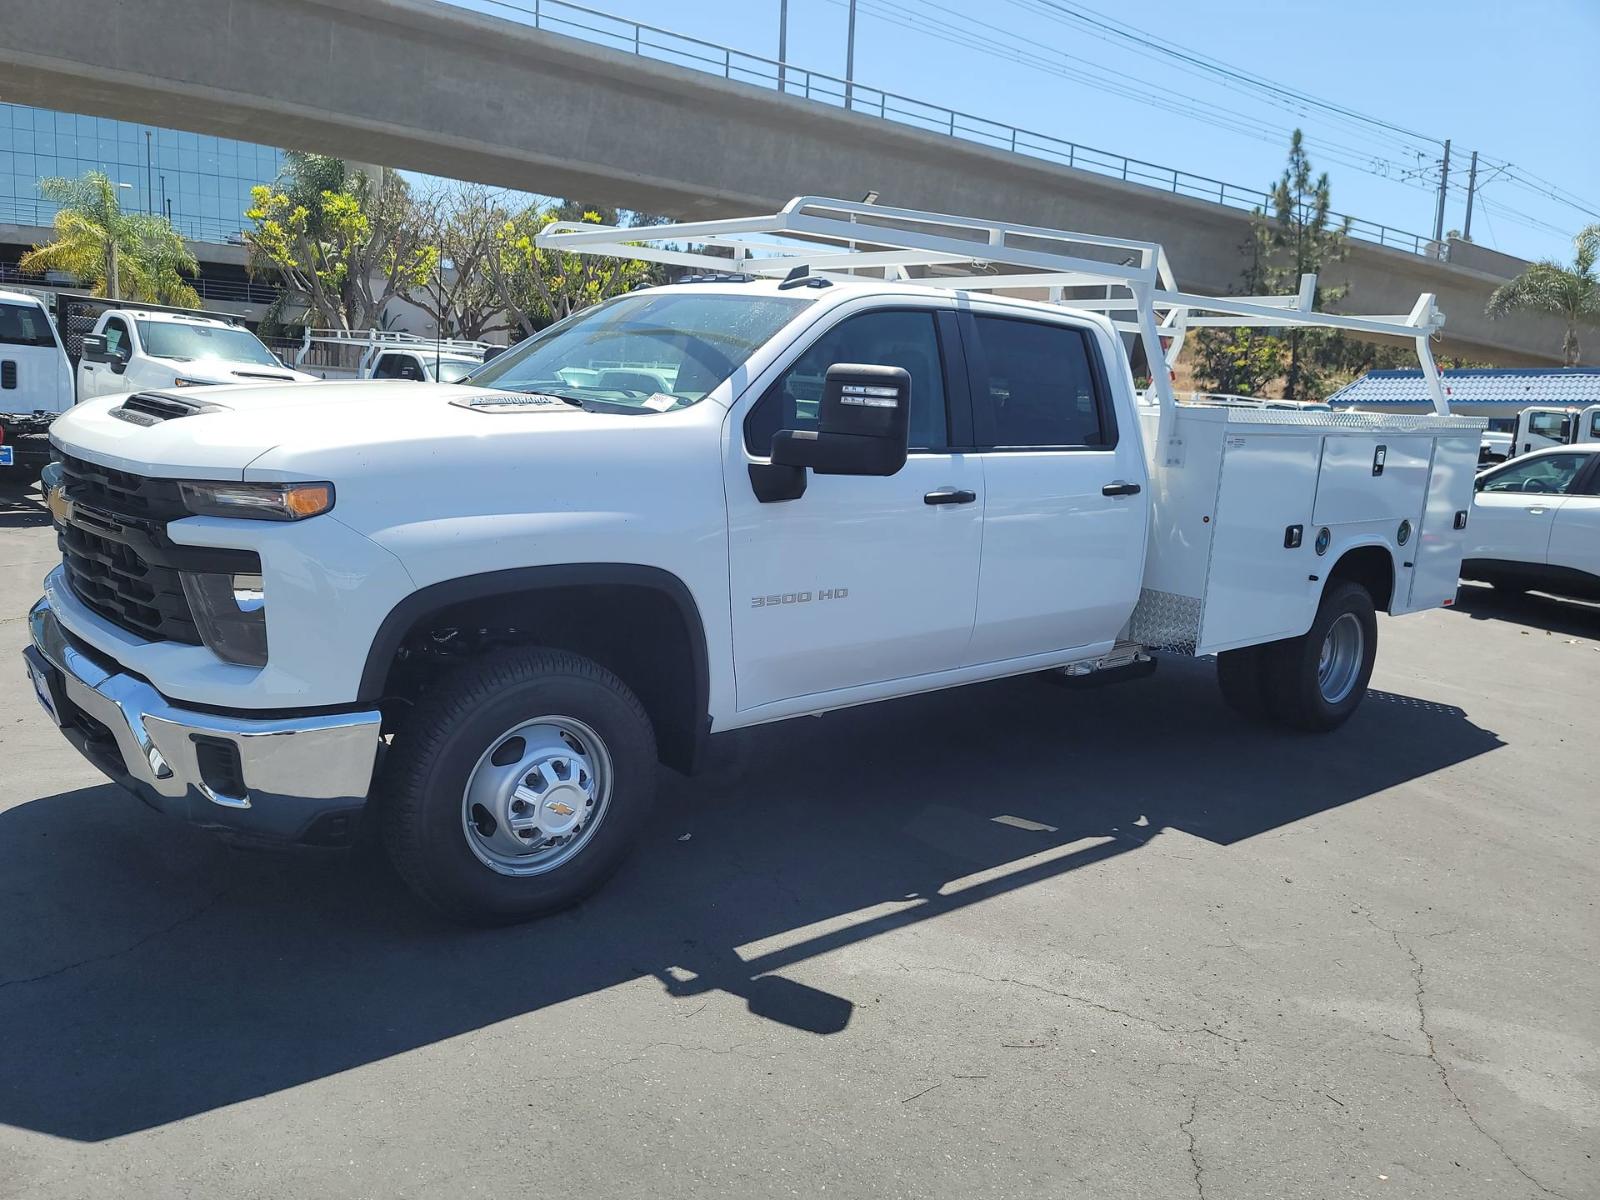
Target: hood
319 429
213 372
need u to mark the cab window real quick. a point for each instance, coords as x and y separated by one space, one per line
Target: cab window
1556 426
118 341
397 366
887 338
1547 473
1034 385
24 325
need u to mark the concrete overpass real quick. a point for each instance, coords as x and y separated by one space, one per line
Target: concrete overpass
430 87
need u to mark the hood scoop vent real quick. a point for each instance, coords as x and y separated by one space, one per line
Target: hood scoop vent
276 376
147 408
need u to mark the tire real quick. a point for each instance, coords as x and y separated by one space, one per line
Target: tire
481 729
1239 678
1297 692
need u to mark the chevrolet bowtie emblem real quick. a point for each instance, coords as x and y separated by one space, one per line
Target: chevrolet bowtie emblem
560 809
60 506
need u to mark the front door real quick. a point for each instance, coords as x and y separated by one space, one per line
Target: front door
1515 507
1065 507
861 580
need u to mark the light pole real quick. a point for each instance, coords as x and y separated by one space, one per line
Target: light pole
850 58
438 325
149 191
783 43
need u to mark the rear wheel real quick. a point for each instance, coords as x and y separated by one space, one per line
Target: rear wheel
518 786
1314 682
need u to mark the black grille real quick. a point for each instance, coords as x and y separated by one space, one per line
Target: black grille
112 578
118 558
121 493
8 374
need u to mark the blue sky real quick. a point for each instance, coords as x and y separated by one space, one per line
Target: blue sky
1515 79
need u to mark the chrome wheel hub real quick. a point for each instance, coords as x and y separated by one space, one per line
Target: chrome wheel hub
1339 663
536 796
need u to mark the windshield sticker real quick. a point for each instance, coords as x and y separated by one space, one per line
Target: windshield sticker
503 402
659 401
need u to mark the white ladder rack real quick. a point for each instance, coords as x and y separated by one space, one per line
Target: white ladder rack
1134 281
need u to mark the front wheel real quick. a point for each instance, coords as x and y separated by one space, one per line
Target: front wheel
1315 681
518 786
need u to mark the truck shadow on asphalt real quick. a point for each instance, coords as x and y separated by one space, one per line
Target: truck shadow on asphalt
21 506
148 973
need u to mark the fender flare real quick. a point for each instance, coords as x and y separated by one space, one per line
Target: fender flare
391 633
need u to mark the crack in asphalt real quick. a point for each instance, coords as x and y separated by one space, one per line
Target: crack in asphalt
94 959
1084 1000
1418 976
1194 1149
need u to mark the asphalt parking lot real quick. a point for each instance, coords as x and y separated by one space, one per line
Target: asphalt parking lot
1003 941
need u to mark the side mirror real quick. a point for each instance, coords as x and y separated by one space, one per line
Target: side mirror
94 348
863 428
491 353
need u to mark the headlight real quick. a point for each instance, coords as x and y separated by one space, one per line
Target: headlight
258 501
230 612
180 381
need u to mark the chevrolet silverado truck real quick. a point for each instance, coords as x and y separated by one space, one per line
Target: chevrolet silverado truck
481 615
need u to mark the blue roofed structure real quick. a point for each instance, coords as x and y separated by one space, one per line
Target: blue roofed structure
1484 391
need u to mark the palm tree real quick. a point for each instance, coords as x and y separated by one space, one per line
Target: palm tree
1572 293
120 255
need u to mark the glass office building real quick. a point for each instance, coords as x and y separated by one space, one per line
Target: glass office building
203 183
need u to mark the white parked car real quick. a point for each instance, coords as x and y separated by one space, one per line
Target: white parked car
1536 523
698 508
132 350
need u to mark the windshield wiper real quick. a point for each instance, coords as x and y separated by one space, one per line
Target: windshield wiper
590 404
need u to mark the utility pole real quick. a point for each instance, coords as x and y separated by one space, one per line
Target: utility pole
783 44
1472 187
1444 188
850 59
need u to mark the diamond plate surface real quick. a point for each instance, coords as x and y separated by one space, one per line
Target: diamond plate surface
1166 621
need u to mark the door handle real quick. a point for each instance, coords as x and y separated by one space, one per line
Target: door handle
1537 512
1120 488
950 496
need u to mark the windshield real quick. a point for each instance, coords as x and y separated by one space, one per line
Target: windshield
455 372
649 351
25 325
186 342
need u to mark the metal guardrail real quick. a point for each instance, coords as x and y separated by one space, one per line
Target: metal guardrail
662 45
216 230
209 289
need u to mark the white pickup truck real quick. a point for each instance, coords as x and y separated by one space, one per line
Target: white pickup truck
133 349
484 612
35 382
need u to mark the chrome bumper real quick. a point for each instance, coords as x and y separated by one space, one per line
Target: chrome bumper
302 778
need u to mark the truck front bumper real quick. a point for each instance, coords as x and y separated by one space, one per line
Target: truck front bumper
287 779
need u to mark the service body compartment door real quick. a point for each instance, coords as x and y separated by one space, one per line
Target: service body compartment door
1439 545
1372 477
1258 589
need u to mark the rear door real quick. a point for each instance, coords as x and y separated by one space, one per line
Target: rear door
862 580
1065 510
1575 530
34 374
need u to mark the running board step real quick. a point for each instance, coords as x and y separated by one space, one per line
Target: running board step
1124 661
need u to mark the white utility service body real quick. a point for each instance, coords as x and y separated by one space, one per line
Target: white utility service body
35 380
135 349
746 546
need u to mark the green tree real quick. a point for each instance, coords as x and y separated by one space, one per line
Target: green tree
1571 293
464 222
119 255
1241 362
537 287
1300 238
343 241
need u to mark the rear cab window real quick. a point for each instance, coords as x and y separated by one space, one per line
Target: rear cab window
25 325
1036 385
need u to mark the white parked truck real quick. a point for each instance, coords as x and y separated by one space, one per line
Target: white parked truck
135 349
35 382
836 467
1539 427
